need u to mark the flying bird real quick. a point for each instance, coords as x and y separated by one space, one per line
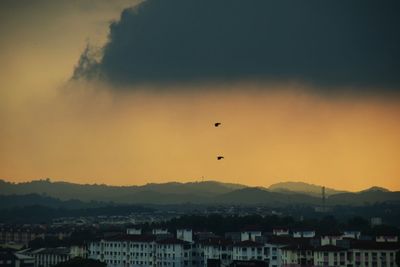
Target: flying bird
220 157
217 124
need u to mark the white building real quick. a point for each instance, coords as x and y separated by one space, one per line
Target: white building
297 255
185 235
216 249
302 233
351 234
127 250
140 250
330 239
133 231
359 254
373 254
387 238
248 250
173 252
273 252
250 235
330 256
46 257
280 231
159 231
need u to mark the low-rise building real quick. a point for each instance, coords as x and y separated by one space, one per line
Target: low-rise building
270 250
330 255
248 250
369 253
47 257
216 249
386 238
303 233
11 258
297 255
280 231
353 234
20 235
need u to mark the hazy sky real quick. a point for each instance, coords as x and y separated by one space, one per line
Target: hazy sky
314 100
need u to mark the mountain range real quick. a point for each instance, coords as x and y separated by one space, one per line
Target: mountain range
207 192
304 188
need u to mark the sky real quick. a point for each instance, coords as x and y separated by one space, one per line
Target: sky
127 92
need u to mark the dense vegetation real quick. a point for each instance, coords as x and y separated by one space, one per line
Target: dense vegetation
43 214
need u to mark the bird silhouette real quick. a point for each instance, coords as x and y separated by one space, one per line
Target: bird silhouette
220 157
217 124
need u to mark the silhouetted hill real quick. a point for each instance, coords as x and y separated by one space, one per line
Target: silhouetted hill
376 189
152 197
205 188
256 195
69 195
124 194
303 188
364 197
11 201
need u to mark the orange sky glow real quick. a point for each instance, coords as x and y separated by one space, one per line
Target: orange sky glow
88 133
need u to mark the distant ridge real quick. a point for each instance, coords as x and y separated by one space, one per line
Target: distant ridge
304 188
207 192
366 197
376 189
258 195
126 194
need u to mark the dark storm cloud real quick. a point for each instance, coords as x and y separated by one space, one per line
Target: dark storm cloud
350 43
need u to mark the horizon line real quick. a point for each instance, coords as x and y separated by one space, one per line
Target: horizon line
52 180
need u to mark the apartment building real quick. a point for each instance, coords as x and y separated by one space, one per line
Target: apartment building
270 250
47 257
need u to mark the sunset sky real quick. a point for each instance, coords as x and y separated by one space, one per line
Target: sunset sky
126 92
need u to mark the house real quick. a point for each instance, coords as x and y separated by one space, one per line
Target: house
303 233
133 231
330 238
250 235
387 238
280 231
353 234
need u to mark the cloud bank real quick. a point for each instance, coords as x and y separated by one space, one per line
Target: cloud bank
335 43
